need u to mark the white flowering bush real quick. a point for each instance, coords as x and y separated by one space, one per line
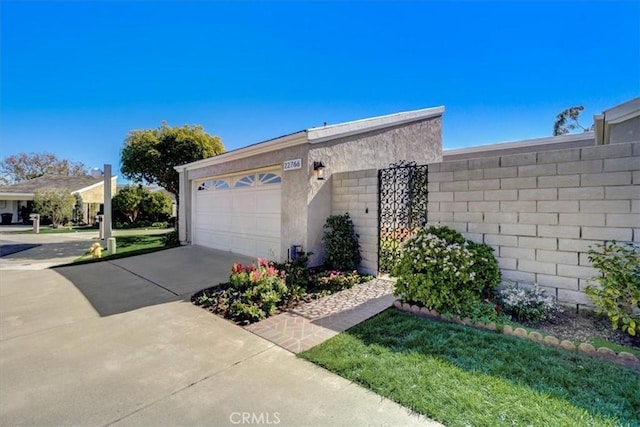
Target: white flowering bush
437 272
528 304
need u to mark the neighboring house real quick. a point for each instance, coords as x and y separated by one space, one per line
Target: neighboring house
15 197
262 199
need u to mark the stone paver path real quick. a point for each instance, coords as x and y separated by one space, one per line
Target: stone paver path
315 322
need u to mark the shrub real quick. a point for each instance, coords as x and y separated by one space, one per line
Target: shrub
342 250
77 215
437 273
485 266
485 311
528 304
331 281
156 206
443 271
619 293
172 239
296 276
254 292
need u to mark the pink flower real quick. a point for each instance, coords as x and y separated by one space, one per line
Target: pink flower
263 262
271 271
255 276
237 268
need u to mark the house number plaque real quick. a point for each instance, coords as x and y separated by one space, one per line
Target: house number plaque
289 165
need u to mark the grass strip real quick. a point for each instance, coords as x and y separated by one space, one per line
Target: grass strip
461 376
127 246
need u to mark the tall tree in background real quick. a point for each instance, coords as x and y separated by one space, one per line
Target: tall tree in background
22 167
150 155
567 121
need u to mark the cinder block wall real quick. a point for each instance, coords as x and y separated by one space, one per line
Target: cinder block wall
357 193
541 211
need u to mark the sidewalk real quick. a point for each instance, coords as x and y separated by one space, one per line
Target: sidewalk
315 322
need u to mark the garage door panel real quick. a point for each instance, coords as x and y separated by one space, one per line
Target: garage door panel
270 202
221 222
268 227
243 220
245 201
268 249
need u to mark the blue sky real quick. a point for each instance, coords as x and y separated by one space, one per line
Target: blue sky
76 77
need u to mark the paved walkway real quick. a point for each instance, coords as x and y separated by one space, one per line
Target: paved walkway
315 322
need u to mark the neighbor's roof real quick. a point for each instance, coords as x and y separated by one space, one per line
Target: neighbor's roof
58 182
318 134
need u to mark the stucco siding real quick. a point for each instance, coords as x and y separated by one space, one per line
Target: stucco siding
96 194
294 184
419 141
307 201
627 131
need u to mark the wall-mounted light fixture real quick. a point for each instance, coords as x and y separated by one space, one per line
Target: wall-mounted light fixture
318 167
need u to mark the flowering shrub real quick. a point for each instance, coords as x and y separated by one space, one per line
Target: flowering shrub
619 293
437 273
253 292
528 304
333 281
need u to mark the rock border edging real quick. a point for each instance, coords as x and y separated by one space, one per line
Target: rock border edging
622 357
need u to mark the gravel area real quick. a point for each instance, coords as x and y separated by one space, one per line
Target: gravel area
345 300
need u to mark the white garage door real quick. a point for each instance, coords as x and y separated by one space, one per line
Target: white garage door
240 214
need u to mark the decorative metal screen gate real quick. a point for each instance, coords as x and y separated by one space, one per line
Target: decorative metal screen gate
402 205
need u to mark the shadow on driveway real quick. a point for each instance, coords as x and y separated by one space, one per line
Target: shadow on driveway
15 248
126 284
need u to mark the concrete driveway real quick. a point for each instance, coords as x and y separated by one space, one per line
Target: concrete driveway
119 343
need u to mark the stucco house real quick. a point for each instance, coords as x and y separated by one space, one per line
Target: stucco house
16 196
262 199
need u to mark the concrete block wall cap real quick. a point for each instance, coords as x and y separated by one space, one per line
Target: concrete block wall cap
523 143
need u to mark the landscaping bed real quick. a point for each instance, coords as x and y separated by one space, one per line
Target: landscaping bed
586 326
259 291
462 376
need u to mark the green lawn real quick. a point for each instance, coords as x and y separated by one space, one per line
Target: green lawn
461 376
129 246
45 229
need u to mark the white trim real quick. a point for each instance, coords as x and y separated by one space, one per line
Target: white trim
272 168
326 133
622 112
97 184
252 150
523 143
16 196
